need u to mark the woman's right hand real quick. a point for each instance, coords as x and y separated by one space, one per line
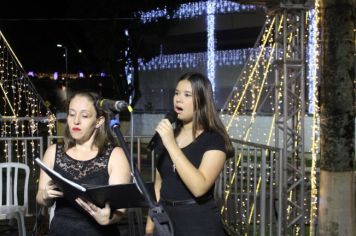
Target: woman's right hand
51 191
165 131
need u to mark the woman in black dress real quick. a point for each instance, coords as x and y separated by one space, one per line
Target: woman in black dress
89 156
193 156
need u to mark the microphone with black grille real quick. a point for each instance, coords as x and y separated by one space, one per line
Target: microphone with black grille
172 117
112 105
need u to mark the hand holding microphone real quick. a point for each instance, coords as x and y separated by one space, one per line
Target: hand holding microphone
172 117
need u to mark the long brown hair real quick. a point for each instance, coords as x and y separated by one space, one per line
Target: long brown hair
103 136
205 115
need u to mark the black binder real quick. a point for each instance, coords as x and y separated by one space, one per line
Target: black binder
118 195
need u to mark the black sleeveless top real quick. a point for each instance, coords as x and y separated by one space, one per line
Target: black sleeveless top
69 218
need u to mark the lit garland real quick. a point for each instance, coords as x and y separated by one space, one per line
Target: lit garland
193 60
21 108
211 41
252 86
246 96
312 58
129 68
313 55
194 9
190 10
250 80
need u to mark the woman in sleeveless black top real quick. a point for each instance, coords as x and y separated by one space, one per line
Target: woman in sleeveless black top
193 156
88 156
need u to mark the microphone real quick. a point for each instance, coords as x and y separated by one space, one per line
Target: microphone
172 117
112 105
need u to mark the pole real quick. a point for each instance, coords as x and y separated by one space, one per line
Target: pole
66 67
66 76
66 58
159 216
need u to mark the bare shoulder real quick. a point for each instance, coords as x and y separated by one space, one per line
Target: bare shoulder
49 155
117 152
119 167
117 155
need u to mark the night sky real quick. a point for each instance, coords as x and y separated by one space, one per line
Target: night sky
34 27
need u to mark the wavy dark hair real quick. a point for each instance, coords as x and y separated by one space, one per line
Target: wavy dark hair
205 115
103 136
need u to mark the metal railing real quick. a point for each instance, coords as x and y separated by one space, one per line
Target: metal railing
21 148
248 190
24 150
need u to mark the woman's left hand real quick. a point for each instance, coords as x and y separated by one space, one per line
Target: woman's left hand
101 215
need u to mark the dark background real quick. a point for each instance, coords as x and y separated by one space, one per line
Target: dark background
33 28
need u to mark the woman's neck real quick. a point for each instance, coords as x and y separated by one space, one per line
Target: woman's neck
187 125
86 145
188 128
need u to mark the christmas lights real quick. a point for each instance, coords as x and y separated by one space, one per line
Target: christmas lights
194 9
20 104
193 60
211 41
312 78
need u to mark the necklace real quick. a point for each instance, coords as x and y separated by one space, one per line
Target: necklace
174 168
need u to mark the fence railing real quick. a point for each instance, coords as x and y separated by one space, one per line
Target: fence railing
247 191
24 150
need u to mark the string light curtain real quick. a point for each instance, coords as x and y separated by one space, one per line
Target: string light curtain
23 111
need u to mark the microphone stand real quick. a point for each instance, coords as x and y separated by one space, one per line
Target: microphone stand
159 216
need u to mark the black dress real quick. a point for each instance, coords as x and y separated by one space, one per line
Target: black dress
200 218
69 219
